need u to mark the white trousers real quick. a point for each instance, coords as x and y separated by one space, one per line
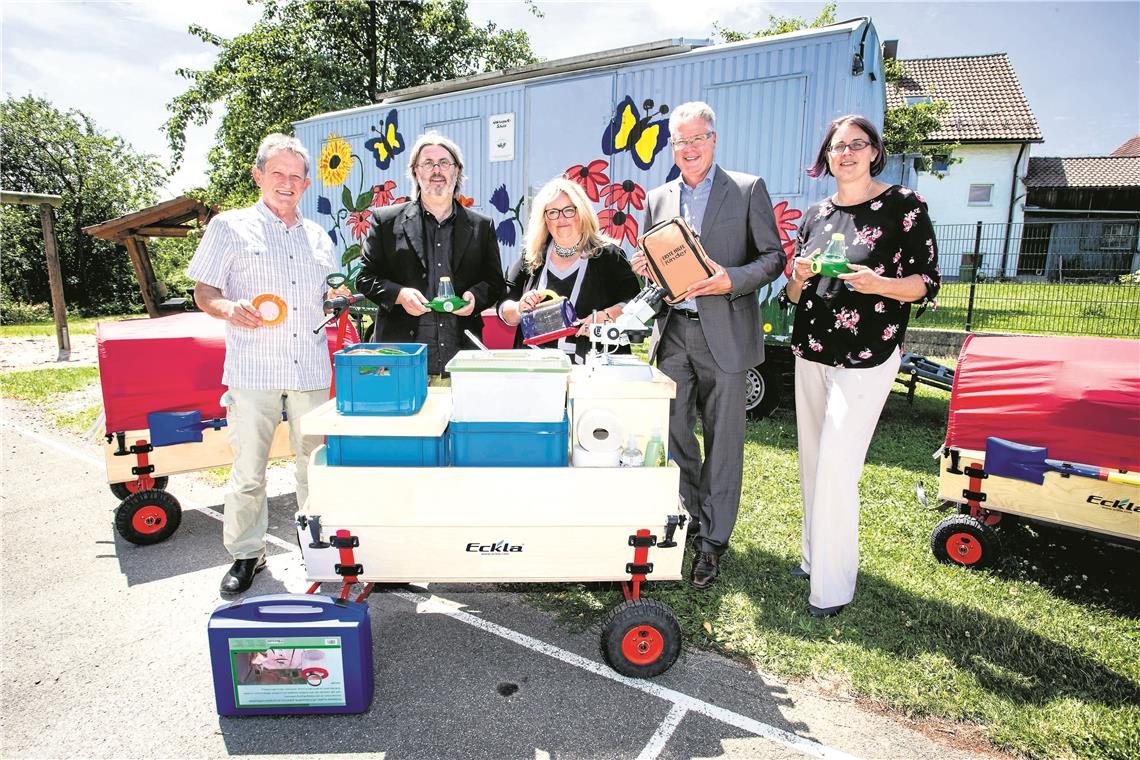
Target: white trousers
252 419
837 410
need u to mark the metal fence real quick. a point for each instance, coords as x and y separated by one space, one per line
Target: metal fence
1079 277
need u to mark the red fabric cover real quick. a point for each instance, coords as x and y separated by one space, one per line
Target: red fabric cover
170 364
1078 397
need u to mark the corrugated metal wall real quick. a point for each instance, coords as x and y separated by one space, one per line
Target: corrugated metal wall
773 98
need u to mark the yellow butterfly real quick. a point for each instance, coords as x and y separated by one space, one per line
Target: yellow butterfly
641 136
390 143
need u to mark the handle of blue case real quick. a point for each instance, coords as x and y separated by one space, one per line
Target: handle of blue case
262 606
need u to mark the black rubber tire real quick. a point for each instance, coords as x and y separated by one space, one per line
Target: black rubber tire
966 541
623 625
762 389
148 517
122 490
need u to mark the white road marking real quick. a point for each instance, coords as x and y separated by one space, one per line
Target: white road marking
661 736
681 703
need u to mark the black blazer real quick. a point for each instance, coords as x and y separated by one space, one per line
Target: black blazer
394 258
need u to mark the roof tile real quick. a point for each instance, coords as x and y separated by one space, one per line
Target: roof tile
986 101
1094 171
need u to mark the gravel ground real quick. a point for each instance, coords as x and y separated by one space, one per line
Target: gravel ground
41 352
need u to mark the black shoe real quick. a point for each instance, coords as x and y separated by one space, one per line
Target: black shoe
240 576
799 572
705 570
822 612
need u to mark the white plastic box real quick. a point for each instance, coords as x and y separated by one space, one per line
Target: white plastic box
509 386
631 393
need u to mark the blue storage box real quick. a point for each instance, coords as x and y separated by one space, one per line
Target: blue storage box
286 654
394 384
385 451
509 444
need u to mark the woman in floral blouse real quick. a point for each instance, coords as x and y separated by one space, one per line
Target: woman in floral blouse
846 339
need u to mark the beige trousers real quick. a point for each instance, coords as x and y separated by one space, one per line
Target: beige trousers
837 410
252 418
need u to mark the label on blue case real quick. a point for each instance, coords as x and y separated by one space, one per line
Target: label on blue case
298 671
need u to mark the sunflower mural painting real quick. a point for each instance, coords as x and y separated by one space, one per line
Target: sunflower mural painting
351 221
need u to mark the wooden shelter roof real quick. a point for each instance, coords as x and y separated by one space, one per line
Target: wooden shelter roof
166 219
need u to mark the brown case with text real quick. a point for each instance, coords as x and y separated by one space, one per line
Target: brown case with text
676 259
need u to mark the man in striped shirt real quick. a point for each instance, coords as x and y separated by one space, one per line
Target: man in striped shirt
274 361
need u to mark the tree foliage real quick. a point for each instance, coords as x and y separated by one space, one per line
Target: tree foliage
305 58
906 128
99 177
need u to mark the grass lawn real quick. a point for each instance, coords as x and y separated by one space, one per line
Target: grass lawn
75 326
1040 652
1068 309
45 388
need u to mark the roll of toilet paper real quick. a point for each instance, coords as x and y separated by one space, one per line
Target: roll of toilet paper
583 458
599 430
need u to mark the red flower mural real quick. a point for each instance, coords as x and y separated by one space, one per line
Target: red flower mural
619 225
622 195
358 223
785 224
464 201
382 194
591 177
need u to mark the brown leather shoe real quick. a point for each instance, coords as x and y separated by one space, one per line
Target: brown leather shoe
705 570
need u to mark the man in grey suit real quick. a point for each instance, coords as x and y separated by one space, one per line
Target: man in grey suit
708 342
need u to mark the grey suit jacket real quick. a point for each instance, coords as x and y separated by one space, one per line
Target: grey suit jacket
738 232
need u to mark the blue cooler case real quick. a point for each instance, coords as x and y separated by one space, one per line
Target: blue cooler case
383 384
288 654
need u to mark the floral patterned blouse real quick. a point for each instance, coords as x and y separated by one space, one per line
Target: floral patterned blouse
890 233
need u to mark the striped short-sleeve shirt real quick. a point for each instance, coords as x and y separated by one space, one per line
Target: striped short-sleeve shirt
249 251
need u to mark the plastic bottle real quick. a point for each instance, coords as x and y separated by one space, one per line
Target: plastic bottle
654 450
833 261
631 456
446 290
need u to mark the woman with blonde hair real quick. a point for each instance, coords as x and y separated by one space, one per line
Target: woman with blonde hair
564 252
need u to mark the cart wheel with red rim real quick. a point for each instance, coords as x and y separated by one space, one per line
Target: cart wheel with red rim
965 540
641 638
123 490
148 517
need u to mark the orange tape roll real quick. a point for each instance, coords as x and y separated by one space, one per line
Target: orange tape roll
272 308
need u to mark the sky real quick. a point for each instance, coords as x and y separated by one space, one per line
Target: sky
1078 62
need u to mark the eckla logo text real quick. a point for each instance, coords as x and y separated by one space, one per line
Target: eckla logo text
499 547
1123 505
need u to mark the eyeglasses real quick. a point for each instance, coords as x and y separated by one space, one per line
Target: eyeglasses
553 213
442 164
854 145
698 140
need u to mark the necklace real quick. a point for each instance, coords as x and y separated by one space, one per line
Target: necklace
565 253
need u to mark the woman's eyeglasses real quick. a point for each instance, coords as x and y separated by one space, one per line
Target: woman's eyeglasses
553 213
442 164
854 145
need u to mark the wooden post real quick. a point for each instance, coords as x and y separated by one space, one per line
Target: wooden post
142 270
55 282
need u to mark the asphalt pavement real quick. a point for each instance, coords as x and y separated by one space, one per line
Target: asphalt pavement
105 652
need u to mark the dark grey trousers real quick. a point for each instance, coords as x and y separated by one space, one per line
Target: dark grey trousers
711 489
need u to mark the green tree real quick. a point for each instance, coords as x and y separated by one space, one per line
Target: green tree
99 177
305 58
906 128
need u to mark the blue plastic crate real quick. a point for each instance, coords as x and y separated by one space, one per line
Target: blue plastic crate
509 444
393 384
385 451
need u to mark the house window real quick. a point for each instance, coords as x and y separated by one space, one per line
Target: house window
980 195
1118 236
918 100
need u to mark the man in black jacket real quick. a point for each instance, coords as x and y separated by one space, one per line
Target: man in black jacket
411 246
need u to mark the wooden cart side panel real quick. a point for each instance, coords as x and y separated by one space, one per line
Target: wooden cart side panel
213 451
1075 502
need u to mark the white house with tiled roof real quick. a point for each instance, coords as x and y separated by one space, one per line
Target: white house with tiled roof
991 119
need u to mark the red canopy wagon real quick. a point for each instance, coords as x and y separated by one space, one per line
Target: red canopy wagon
1045 428
162 389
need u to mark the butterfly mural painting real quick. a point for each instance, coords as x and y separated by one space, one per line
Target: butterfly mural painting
642 136
389 144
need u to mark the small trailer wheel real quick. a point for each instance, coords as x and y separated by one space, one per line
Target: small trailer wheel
641 638
123 490
965 540
148 517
